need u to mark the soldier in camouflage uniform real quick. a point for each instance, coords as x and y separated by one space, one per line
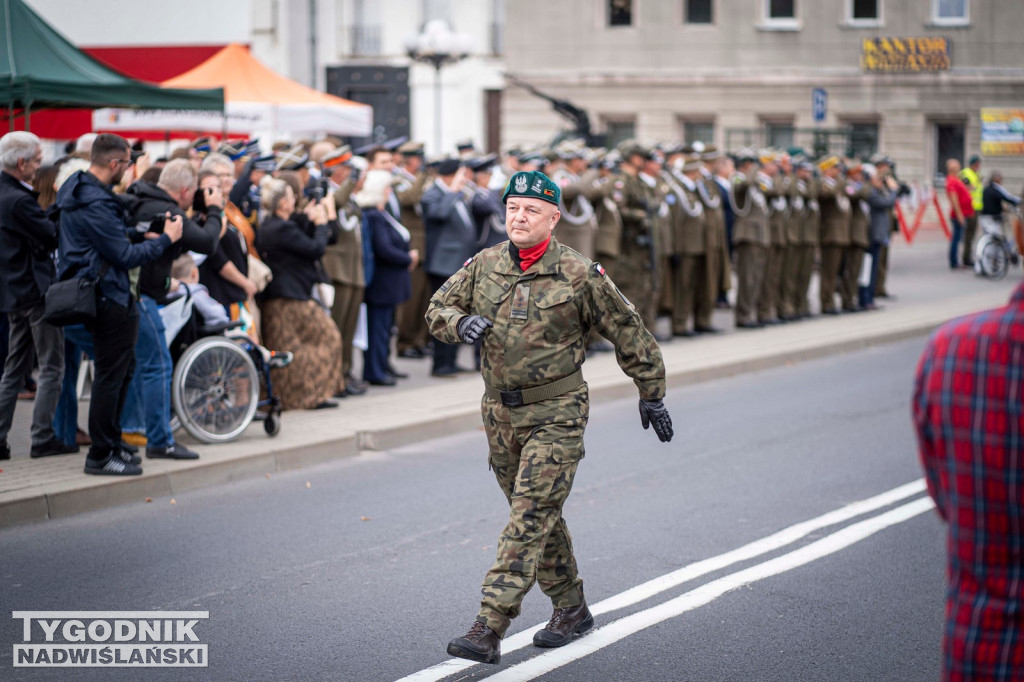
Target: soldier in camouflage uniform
533 302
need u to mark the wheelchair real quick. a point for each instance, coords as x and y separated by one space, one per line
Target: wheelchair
219 372
994 252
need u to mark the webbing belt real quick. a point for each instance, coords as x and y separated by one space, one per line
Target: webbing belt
517 398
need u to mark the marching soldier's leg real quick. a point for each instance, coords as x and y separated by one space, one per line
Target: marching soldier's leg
546 468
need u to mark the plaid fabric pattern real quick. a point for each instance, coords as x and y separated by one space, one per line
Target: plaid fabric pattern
969 414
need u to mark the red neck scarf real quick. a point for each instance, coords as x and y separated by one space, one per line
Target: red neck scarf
532 254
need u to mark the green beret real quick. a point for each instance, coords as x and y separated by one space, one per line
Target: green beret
532 184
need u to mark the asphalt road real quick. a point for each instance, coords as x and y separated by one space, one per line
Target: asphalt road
364 568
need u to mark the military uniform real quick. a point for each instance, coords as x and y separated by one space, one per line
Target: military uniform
853 258
775 190
788 301
751 238
541 322
810 238
412 329
690 272
577 228
635 270
835 236
343 263
717 265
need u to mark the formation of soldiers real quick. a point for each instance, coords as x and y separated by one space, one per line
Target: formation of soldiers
670 224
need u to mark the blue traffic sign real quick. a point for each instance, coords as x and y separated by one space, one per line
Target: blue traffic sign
819 104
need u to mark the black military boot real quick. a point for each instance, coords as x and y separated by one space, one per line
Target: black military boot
565 624
480 644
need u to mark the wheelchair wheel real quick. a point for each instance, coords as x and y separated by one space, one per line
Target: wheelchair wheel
215 390
995 261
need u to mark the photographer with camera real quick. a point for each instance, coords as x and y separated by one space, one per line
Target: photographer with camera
94 242
149 205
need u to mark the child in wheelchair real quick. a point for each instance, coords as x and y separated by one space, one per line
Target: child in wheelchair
206 394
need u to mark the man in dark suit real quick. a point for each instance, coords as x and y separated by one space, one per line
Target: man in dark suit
451 240
27 238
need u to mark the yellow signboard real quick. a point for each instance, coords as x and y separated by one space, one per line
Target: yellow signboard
1002 132
892 55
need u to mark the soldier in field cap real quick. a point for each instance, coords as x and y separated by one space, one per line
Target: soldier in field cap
534 303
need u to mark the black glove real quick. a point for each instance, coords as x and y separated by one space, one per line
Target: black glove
472 327
654 412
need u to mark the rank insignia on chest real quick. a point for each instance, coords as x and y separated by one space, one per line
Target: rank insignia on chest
520 302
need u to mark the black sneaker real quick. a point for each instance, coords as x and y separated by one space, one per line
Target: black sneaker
127 457
173 451
113 465
5 450
52 447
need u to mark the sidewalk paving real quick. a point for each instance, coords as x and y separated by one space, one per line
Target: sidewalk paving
421 408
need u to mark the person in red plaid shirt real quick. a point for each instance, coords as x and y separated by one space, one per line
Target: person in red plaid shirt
969 414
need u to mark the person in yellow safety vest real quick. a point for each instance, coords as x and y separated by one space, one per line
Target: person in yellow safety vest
972 178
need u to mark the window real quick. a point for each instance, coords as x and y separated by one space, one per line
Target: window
498 27
366 28
620 12
781 9
863 139
619 130
779 15
436 9
698 131
864 12
699 12
950 12
779 135
949 144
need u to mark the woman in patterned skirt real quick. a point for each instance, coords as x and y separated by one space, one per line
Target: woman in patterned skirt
291 245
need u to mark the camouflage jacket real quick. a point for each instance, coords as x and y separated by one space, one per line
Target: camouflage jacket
542 319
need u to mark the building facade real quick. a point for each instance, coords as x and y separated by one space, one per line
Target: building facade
906 77
352 48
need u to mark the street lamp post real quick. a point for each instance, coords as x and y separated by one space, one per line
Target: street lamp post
438 45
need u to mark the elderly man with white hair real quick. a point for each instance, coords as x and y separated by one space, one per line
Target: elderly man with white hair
27 239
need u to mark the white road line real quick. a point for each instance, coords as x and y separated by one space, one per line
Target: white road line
652 587
629 625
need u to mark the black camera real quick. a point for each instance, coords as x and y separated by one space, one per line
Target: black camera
317 190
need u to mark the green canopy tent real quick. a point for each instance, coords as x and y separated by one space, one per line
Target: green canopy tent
40 69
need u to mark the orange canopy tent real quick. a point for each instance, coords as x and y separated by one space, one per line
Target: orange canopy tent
256 100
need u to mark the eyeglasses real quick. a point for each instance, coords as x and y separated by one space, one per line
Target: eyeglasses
126 162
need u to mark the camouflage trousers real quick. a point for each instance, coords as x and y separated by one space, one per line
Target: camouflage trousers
535 468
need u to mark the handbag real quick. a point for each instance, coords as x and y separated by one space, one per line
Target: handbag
259 273
72 301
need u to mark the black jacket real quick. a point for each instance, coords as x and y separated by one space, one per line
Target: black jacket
293 256
93 232
392 281
27 240
145 202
